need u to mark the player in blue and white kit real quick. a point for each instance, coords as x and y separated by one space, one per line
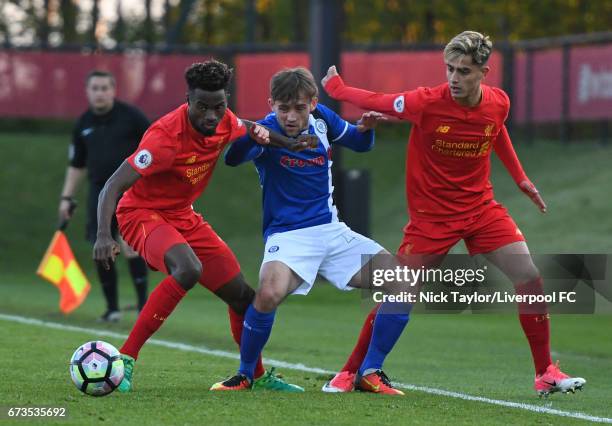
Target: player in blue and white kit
303 236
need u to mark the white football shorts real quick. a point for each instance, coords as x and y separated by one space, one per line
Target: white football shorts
332 250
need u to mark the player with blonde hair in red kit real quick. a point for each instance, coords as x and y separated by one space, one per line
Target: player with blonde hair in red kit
450 197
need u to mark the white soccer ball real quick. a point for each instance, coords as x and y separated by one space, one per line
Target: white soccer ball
96 368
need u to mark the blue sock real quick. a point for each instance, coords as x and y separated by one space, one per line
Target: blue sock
388 326
257 328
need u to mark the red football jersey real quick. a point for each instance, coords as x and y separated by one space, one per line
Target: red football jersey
176 162
448 155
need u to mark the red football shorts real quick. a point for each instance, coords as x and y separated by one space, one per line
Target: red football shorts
484 232
153 232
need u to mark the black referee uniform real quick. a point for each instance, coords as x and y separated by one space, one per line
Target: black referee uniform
101 143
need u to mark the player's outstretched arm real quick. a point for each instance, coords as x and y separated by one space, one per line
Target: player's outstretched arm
358 137
106 248
245 149
242 150
392 104
276 139
506 153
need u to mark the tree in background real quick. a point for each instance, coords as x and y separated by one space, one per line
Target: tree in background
68 13
438 20
219 22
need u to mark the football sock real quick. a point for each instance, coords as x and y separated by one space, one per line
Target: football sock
108 279
361 348
536 326
138 271
237 324
159 306
257 328
388 326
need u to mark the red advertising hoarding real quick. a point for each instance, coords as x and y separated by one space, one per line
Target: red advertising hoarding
51 84
591 83
589 88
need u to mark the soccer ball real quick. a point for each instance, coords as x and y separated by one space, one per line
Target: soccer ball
96 368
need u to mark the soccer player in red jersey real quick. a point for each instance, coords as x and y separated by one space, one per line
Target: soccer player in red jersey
450 197
161 180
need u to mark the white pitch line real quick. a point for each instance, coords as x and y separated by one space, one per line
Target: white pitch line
302 367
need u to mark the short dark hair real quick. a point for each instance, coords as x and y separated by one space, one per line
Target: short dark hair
210 75
290 83
100 73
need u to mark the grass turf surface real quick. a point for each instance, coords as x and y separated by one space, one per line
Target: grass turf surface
481 355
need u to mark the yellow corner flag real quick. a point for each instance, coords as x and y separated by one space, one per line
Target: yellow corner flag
61 268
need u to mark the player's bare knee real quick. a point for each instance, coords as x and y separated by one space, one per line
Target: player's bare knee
188 273
268 298
183 264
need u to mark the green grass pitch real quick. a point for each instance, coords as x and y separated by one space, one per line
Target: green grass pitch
475 355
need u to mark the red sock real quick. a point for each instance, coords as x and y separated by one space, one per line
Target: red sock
361 348
535 322
236 324
159 306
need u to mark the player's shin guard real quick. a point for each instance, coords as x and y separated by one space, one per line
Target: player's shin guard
255 334
389 323
361 348
159 306
237 324
535 323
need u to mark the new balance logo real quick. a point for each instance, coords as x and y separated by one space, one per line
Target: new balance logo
442 129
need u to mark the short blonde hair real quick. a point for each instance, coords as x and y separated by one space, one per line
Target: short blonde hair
471 43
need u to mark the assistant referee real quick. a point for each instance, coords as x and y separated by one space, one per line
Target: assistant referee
104 135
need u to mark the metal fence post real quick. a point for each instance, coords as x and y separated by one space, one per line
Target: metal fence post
508 52
325 51
529 129
604 132
564 124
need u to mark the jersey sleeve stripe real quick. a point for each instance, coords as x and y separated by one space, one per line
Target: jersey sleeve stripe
261 151
343 131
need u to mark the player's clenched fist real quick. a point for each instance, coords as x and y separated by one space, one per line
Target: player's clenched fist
331 72
260 134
